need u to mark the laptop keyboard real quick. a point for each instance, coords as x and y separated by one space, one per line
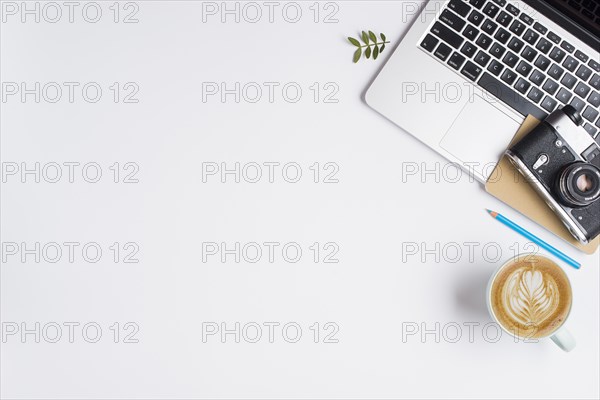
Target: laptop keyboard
516 59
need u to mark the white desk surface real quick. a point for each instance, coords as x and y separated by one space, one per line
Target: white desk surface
371 295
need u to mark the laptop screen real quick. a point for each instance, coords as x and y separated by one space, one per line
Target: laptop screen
580 17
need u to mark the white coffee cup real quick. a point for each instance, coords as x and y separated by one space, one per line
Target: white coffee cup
561 336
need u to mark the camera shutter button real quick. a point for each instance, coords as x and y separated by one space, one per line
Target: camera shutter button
542 160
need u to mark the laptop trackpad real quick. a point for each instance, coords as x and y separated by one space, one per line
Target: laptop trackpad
479 135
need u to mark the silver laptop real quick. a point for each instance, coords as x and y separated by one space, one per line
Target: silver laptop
468 72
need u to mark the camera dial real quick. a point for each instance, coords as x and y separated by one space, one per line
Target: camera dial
578 184
573 115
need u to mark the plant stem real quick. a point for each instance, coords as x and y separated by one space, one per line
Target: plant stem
376 44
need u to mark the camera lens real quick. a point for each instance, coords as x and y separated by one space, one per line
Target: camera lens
579 184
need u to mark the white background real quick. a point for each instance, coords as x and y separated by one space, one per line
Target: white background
371 213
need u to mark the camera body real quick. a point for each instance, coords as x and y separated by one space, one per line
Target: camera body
562 163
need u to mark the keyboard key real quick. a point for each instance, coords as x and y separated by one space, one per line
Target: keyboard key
535 95
570 63
587 13
529 54
491 10
504 19
544 45
443 51
476 18
471 32
550 86
510 59
501 3
542 62
452 20
557 54
549 104
510 97
577 103
598 125
590 114
531 36
568 81
447 35
471 70
594 64
516 45
590 129
429 43
568 47
595 81
484 41
581 56
509 76
489 26
526 18
555 71
459 7
540 28
517 28
554 37
468 49
537 78
482 58
497 50
522 86
502 36
524 69
456 61
582 90
513 10
594 99
477 3
564 96
584 73
589 5
495 67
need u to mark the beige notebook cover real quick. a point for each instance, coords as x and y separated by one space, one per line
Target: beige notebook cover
507 184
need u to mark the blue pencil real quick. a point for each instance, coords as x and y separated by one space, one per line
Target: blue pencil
535 239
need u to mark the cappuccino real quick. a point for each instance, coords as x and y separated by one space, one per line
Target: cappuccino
531 297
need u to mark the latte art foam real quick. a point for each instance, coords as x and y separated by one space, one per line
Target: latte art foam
531 297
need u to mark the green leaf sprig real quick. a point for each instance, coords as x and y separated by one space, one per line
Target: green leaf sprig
373 46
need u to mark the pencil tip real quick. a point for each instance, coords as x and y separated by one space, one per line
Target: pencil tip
492 213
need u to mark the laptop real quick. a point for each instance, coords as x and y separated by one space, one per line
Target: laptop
468 72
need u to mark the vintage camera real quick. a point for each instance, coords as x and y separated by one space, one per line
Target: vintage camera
562 163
